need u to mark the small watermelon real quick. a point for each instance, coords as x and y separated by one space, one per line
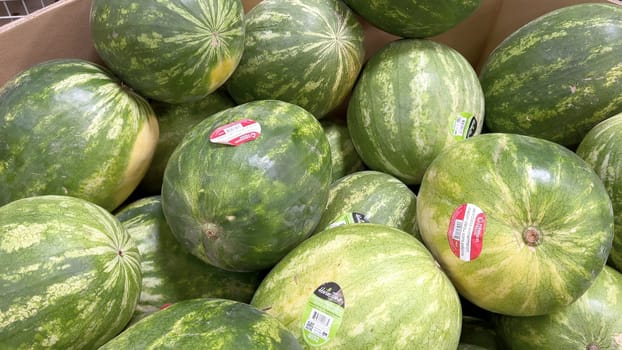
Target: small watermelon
70 274
206 323
344 157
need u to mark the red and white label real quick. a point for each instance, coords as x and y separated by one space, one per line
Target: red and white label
236 133
466 231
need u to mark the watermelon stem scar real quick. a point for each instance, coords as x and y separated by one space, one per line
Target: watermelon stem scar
532 236
593 346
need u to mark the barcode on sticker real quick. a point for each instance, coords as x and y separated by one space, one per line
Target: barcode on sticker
459 125
319 323
233 128
457 231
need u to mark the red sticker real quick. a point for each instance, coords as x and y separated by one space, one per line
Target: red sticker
466 231
236 133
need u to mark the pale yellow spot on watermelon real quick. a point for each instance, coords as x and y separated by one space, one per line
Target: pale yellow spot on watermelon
21 236
222 72
139 160
618 339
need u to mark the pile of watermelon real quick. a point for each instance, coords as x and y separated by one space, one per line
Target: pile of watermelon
248 175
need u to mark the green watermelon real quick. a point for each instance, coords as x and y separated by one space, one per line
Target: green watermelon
344 157
592 322
557 76
69 127
521 225
175 51
601 148
242 204
308 53
175 120
375 197
414 18
170 273
206 323
363 286
69 274
413 98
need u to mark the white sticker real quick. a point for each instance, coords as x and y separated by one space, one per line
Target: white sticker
236 133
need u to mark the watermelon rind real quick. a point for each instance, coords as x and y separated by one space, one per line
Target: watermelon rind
70 274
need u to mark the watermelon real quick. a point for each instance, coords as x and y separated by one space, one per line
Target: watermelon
69 274
170 273
372 196
308 53
363 286
69 127
601 148
521 225
557 76
413 98
174 51
477 334
175 120
248 184
414 18
592 322
344 157
206 323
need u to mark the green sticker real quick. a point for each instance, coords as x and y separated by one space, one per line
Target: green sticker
322 315
463 126
350 218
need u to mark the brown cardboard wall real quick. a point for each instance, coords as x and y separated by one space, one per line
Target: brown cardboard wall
61 30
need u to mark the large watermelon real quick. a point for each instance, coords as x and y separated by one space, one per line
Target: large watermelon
593 322
414 18
69 127
601 148
413 98
70 274
306 52
376 197
170 273
558 75
521 225
242 205
206 323
175 120
174 51
363 286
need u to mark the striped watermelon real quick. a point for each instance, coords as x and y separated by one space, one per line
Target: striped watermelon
175 51
521 225
601 148
306 52
242 208
68 127
206 323
558 75
175 120
414 18
363 286
592 322
69 274
378 197
344 157
170 273
413 98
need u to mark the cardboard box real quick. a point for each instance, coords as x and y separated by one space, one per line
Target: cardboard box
61 30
